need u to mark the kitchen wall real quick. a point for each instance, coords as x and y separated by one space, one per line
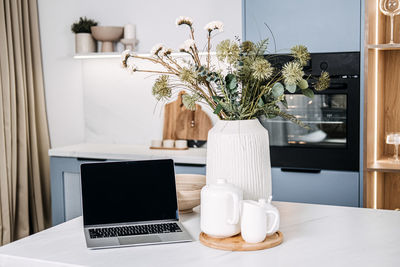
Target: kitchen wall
94 100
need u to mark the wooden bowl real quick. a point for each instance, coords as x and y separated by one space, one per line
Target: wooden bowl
188 187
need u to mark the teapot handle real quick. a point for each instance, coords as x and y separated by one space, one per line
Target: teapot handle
236 211
276 218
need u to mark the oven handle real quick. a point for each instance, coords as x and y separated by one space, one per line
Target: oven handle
300 170
334 85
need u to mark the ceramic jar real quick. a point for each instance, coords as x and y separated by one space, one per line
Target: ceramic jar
239 150
84 43
220 209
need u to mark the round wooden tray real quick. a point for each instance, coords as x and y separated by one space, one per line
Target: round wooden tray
236 243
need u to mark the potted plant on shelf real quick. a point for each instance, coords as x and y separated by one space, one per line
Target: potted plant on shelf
84 42
239 86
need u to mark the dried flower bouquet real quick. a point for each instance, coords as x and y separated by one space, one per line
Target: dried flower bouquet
248 87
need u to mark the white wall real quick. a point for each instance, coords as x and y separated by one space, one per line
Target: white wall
95 100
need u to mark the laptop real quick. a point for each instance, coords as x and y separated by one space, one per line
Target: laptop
130 203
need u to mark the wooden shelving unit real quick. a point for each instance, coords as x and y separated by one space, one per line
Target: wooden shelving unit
381 109
384 46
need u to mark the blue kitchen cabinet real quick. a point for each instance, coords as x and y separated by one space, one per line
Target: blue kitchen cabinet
66 197
321 25
190 168
326 187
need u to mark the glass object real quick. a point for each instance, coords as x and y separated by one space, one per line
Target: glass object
326 115
390 8
394 139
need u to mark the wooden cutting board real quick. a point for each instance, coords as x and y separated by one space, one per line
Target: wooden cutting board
180 123
193 125
236 243
171 113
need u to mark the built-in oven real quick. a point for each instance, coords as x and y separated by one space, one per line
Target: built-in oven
331 142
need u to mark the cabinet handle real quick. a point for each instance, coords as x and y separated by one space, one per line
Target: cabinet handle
300 170
90 159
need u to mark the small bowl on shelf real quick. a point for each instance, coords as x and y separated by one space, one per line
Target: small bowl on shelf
107 35
188 187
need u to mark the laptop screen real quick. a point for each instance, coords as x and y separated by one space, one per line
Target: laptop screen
130 191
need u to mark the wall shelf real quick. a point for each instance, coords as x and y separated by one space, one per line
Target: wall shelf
384 46
384 165
97 55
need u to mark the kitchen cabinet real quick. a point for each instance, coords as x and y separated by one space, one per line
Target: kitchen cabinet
320 187
66 186
321 25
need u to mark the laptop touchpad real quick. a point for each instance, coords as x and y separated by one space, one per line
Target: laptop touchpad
139 239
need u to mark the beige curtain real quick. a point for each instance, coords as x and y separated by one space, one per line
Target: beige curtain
24 139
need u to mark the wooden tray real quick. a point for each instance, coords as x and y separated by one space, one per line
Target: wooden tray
236 243
169 148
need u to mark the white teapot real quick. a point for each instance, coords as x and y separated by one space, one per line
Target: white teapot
220 209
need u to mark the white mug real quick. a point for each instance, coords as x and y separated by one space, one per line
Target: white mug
181 144
168 143
255 225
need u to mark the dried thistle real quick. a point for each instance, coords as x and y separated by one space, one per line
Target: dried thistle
161 89
292 73
261 69
229 51
187 75
300 52
189 101
247 47
323 81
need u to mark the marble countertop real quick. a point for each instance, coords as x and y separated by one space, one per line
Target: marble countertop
314 235
129 152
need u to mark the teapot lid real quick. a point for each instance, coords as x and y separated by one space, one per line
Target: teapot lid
223 185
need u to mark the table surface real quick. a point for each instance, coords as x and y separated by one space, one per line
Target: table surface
314 235
124 152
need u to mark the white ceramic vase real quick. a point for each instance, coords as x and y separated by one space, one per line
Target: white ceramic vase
238 151
84 43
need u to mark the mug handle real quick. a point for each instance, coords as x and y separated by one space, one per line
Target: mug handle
276 217
236 211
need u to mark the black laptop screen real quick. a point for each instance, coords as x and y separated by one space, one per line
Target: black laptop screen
132 191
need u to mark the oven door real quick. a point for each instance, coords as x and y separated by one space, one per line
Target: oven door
332 140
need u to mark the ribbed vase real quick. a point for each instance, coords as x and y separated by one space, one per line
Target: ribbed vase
238 151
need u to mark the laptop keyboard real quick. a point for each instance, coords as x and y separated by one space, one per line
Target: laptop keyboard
144 229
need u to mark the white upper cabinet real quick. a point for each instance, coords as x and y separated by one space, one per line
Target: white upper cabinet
321 25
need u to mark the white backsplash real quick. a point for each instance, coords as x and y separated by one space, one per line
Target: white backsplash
118 106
